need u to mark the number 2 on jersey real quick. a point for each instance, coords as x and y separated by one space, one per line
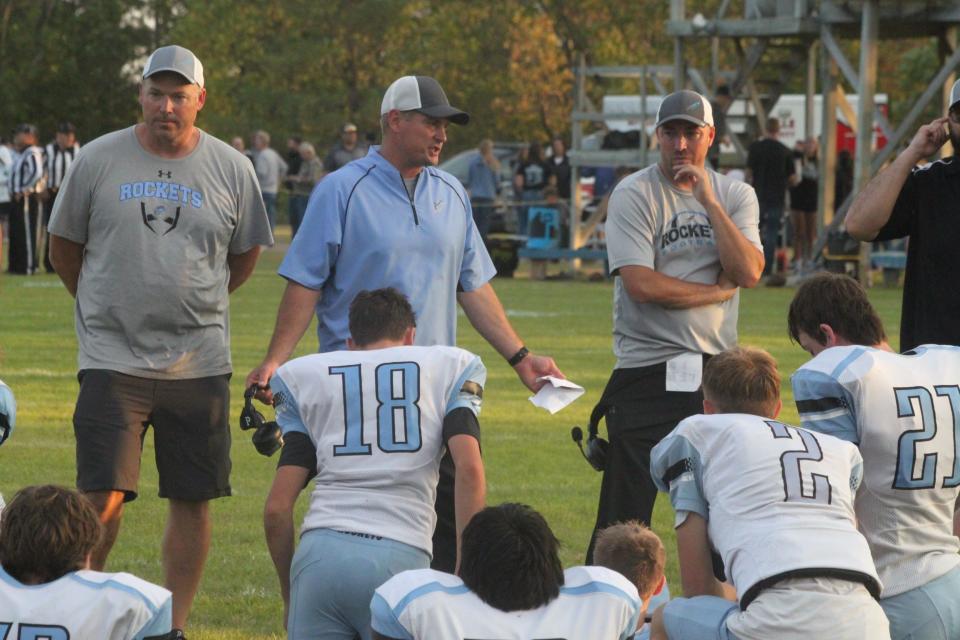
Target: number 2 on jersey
790 464
909 399
397 386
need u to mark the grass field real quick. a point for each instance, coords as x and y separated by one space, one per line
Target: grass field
528 453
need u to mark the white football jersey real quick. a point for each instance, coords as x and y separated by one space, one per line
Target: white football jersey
376 419
82 605
595 603
778 500
903 411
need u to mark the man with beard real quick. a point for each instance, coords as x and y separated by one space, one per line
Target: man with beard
681 240
924 204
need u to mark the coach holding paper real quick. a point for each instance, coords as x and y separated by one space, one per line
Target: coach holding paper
393 219
154 226
681 240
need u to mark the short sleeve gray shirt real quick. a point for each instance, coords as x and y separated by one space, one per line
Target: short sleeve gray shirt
651 223
152 299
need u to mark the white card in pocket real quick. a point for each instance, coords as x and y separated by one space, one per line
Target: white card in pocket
684 373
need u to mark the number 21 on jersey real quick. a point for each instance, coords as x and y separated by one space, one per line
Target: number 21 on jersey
397 388
910 402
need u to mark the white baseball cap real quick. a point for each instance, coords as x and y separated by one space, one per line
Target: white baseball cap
423 94
177 59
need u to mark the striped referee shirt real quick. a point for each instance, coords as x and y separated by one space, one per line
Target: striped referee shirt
58 161
27 174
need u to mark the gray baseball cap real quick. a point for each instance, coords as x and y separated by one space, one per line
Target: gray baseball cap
955 94
423 94
176 59
686 105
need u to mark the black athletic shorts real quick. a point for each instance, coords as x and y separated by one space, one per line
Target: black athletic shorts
191 433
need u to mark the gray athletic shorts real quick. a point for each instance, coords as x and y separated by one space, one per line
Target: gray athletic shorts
332 579
190 427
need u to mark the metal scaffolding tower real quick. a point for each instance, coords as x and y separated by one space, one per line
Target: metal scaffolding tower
775 39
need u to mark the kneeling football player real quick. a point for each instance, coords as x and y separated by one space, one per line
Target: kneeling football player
776 502
47 536
511 585
371 425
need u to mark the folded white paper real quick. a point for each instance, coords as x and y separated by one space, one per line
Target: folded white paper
556 394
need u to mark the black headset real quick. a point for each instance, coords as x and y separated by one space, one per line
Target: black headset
596 452
267 438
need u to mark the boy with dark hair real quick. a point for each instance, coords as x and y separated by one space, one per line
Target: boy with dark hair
829 305
511 585
371 424
525 539
901 411
776 502
374 315
47 535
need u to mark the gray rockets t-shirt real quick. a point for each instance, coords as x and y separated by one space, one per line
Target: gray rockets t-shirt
651 223
152 299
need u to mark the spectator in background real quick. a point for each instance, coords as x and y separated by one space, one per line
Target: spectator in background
237 143
720 104
559 165
530 179
770 170
6 200
803 203
307 176
346 150
293 157
58 156
26 183
271 169
293 168
483 185
844 178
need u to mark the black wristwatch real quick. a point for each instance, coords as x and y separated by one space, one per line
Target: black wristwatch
516 358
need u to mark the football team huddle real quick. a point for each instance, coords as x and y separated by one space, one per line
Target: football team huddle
842 527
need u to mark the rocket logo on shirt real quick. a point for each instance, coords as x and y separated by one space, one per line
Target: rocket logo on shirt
687 229
161 217
160 214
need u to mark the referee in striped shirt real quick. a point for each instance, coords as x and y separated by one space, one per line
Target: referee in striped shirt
26 184
58 156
